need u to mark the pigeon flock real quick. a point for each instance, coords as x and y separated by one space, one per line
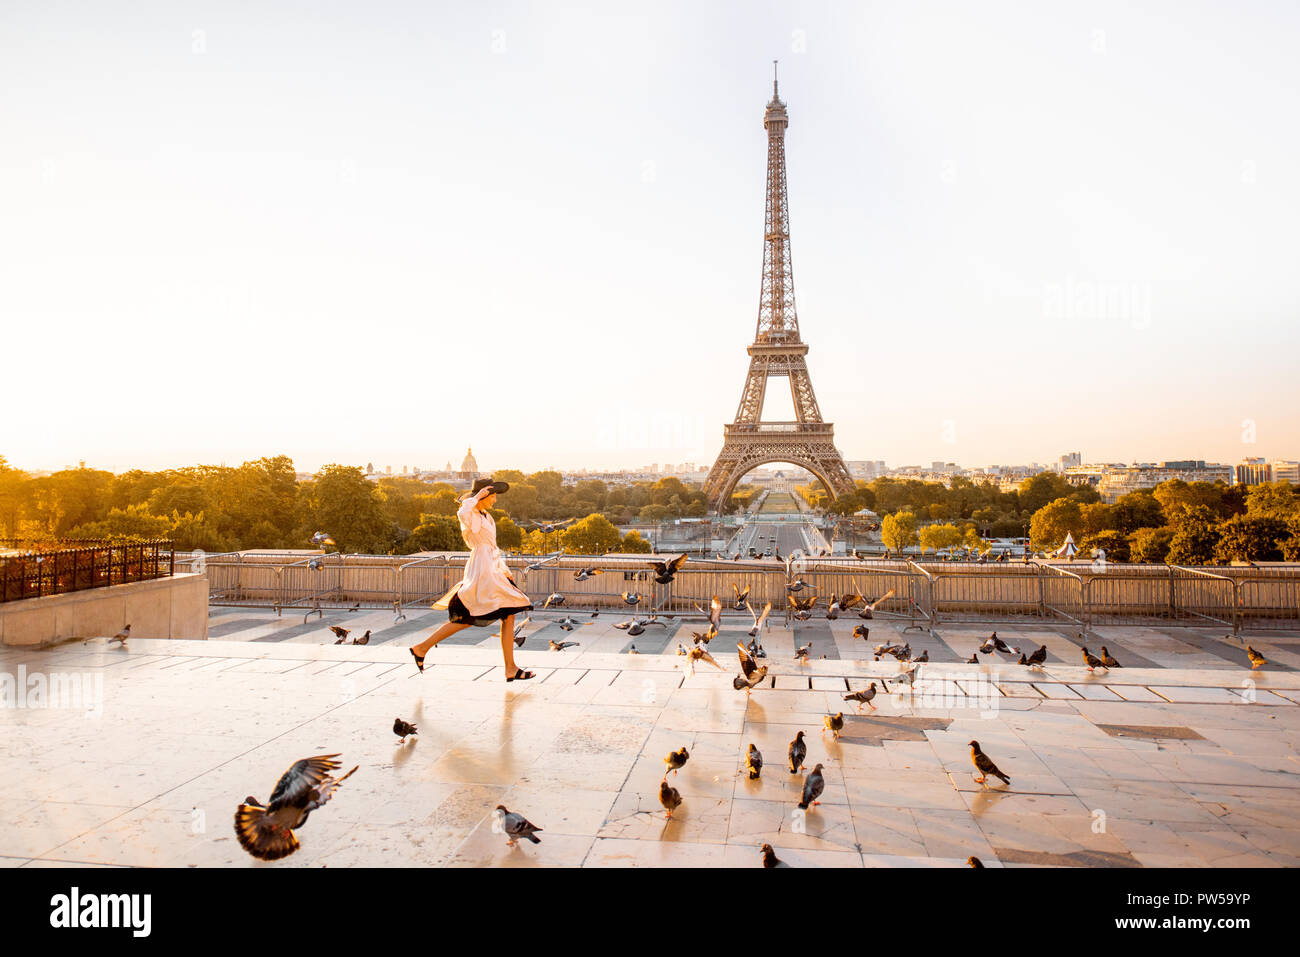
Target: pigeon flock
268 831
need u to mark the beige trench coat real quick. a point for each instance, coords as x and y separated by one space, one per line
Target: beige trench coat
486 584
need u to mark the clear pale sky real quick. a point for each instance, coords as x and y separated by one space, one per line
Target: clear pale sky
383 232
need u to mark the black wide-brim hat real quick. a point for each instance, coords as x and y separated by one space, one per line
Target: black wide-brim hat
497 487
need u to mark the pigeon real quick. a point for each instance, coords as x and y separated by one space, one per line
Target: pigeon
803 607
669 797
797 585
402 729
363 640
1023 660
868 610
320 540
516 826
974 861
1038 657
631 598
1256 659
1107 661
752 673
1001 646
798 751
742 597
342 633
923 657
701 654
267 831
1092 661
770 859
834 723
315 564
974 659
568 623
544 561
546 528
676 760
703 638
813 785
582 574
904 653
863 697
758 619
906 678
632 650
886 649
801 653
681 650
554 598
753 763
985 765
561 645
861 631
355 607
122 635
664 571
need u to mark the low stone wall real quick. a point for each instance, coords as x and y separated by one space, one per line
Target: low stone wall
175 607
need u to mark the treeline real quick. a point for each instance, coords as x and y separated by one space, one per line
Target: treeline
262 504
1197 523
991 511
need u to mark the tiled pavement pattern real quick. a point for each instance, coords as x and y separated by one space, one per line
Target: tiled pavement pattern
1189 760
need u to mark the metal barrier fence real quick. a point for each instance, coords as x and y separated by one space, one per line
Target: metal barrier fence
36 570
1083 595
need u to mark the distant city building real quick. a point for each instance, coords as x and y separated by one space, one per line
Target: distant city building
1284 471
1117 481
469 467
1070 460
1253 471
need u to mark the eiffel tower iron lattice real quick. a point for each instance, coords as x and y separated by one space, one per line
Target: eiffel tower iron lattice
777 350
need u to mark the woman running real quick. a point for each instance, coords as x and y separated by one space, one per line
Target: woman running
486 593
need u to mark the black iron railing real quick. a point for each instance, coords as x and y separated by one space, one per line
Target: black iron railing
33 570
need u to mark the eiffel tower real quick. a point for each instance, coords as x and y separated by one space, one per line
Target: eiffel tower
777 351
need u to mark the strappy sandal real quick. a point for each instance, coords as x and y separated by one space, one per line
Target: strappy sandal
521 675
419 659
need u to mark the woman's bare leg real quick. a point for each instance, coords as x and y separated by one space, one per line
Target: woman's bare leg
508 644
446 631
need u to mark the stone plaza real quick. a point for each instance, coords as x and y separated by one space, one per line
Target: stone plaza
128 756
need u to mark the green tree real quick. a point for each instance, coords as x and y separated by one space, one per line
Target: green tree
1041 489
509 535
1136 510
1244 538
435 533
133 522
1052 522
898 531
1150 546
14 495
633 543
653 514
593 535
1272 500
344 504
1111 542
940 536
1195 535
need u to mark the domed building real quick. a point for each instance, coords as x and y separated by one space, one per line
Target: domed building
469 467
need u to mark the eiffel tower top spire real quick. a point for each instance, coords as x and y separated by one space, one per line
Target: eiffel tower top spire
777 319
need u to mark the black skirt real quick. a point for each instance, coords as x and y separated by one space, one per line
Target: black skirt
459 614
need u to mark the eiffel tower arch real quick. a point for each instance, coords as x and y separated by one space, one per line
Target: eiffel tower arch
777 351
